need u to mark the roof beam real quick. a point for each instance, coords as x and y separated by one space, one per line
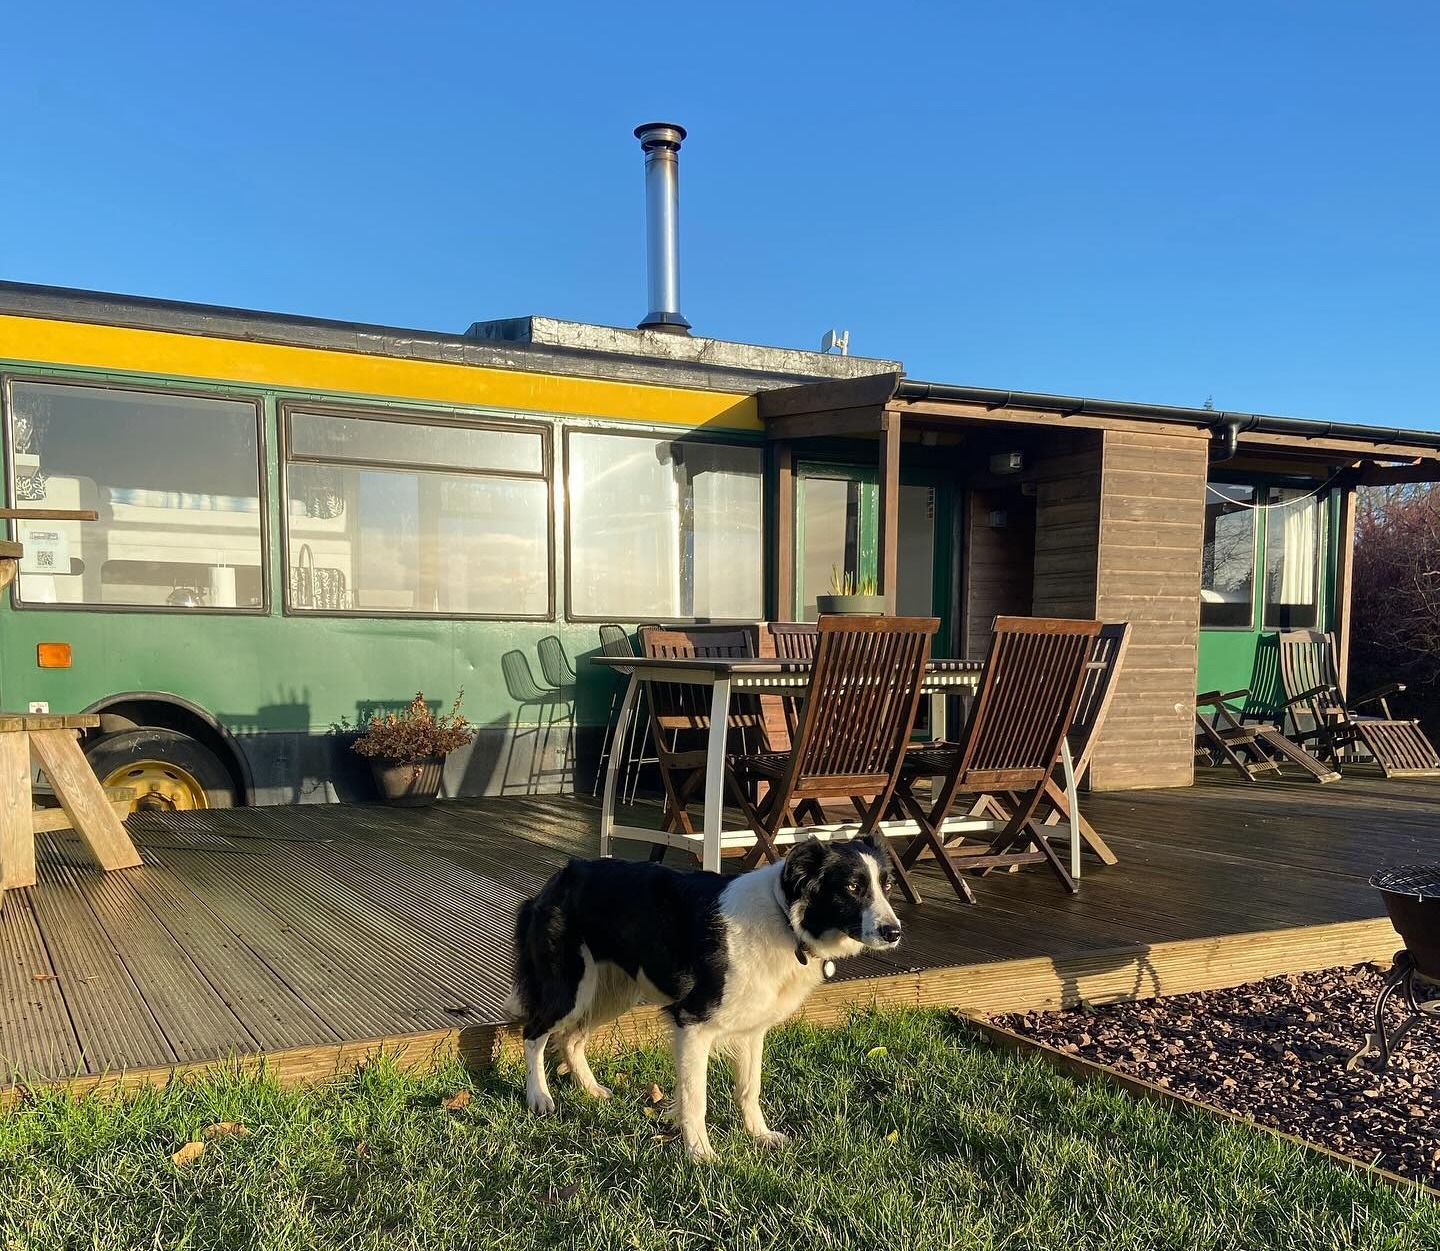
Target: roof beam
1398 475
873 390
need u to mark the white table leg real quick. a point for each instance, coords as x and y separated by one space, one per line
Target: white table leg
939 706
612 767
1072 798
715 773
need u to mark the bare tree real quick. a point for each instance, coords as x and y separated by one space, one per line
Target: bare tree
1396 606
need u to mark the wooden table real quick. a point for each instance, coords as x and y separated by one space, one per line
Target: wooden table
762 676
49 740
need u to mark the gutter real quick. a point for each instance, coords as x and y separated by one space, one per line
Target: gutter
1226 426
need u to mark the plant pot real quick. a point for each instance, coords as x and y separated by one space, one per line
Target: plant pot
407 783
851 605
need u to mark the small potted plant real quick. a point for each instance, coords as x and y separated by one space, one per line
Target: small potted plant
847 595
407 750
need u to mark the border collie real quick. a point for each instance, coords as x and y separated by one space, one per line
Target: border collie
728 957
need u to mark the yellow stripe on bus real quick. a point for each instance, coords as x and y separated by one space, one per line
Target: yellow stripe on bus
45 342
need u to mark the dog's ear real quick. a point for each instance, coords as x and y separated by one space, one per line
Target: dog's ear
873 844
802 866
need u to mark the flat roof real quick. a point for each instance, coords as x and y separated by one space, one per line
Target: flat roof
551 345
536 344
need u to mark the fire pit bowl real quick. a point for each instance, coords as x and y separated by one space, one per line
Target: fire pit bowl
1412 900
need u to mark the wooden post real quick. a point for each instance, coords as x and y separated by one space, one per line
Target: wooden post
17 839
1344 582
889 528
782 572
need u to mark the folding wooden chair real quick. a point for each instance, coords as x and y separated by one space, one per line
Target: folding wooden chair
1249 748
680 714
1101 675
854 724
1032 683
1313 692
794 640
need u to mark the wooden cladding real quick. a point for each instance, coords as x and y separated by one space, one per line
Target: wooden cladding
999 563
1151 539
1119 533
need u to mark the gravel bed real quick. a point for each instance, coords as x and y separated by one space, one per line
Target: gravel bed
1275 1051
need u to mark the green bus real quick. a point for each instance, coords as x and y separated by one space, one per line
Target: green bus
304 522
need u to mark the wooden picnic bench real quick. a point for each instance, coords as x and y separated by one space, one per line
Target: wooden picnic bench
48 740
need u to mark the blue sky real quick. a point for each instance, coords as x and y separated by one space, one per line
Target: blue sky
1131 200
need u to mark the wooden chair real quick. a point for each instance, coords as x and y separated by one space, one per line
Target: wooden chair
854 725
680 714
1035 674
1313 693
1250 748
794 640
1101 675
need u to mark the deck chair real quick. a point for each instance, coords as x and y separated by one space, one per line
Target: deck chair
1034 677
680 715
855 722
1320 714
1249 748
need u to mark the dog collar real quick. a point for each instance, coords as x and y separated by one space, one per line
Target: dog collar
802 953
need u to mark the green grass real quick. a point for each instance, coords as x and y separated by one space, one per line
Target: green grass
938 1142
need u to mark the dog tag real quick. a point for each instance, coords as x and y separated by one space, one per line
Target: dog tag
828 968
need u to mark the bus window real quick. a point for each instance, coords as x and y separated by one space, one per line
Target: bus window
664 528
175 480
389 514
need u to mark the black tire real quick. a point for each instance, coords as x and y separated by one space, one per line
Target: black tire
113 752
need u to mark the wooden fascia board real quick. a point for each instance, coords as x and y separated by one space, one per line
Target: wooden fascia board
978 414
826 423
873 390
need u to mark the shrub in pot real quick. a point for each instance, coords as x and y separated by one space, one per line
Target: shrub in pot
849 596
407 750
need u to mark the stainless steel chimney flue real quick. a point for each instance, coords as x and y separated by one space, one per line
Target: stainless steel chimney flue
661 144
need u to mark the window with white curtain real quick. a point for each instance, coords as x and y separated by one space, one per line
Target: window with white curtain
1292 559
664 528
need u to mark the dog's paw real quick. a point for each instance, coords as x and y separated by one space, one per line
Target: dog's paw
701 1152
541 1103
773 1139
596 1091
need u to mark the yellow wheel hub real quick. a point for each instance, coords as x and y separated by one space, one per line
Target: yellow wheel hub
159 786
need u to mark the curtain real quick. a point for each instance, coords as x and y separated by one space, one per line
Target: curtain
1297 558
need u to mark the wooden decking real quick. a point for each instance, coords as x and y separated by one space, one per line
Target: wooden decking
314 935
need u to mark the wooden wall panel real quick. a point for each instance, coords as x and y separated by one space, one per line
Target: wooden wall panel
999 564
1067 525
1151 512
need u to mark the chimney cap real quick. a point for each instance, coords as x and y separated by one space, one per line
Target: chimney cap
660 134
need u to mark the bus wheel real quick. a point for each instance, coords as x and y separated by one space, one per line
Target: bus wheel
168 771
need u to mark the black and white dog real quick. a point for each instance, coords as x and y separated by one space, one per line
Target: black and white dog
729 957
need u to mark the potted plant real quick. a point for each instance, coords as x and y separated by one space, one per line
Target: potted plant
849 596
407 750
